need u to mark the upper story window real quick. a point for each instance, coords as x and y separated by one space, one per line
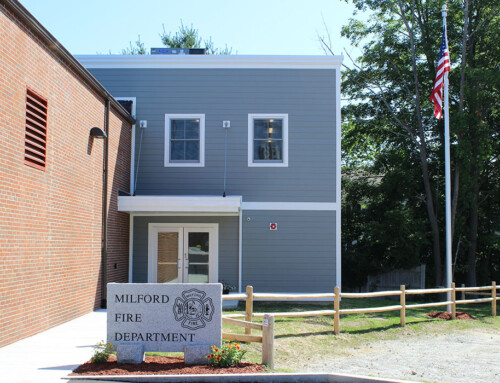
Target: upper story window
35 139
268 140
185 140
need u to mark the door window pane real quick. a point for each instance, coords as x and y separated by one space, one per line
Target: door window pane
168 250
167 274
197 273
198 255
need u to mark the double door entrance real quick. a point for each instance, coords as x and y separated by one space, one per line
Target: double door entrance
182 253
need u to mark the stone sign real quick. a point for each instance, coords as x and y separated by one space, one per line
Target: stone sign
164 317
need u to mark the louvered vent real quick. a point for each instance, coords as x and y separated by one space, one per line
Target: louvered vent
36 131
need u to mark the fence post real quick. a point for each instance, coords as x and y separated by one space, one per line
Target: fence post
453 301
402 302
463 292
336 307
249 308
494 301
268 341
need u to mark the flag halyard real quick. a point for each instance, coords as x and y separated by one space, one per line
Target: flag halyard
443 67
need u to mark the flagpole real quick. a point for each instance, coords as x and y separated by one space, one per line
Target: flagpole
448 282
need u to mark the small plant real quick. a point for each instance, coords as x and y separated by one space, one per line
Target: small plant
227 288
229 354
102 351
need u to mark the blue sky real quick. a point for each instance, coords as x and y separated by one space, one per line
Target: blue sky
281 27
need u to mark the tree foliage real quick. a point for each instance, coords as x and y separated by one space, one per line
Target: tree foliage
393 204
136 49
185 37
188 37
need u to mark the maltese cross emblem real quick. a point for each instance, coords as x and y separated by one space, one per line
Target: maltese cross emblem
193 310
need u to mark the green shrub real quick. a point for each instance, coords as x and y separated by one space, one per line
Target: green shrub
229 354
102 351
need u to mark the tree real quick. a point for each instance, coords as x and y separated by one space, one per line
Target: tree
188 37
185 37
477 128
390 132
137 49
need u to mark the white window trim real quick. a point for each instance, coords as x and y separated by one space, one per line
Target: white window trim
254 116
169 117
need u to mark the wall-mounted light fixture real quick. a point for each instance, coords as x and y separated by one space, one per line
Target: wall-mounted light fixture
96 132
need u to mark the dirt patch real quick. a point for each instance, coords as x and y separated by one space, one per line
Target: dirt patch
161 365
447 316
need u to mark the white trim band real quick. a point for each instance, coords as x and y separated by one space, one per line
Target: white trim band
306 206
210 61
151 205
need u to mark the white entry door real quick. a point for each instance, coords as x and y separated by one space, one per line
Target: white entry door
184 253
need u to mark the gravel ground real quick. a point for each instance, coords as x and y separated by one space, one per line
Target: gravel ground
461 357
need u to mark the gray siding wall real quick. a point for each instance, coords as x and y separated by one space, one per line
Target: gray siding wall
228 244
306 95
298 257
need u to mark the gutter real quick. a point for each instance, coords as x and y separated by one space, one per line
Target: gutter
58 50
104 249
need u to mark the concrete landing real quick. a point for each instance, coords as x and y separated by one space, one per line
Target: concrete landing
52 354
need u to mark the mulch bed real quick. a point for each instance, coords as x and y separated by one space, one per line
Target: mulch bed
447 316
161 365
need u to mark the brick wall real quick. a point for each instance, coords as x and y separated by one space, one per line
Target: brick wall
51 221
118 223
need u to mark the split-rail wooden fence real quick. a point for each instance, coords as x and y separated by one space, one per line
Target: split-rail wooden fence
267 337
336 296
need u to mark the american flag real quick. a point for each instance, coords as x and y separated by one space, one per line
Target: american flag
443 66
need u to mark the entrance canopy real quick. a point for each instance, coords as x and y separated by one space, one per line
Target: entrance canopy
179 204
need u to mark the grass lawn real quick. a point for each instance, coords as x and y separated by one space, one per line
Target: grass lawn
299 341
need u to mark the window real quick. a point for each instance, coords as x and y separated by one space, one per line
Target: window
35 139
185 140
268 140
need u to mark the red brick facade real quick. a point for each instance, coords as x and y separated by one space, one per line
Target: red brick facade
51 220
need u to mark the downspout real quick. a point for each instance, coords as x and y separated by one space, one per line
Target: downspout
104 254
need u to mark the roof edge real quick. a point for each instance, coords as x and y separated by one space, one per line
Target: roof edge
210 61
53 45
